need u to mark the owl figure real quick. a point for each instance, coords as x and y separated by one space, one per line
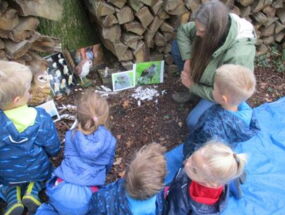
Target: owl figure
82 70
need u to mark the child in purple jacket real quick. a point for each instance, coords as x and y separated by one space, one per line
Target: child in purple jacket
88 155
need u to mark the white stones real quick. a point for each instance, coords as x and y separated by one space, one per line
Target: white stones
139 102
68 107
142 94
104 91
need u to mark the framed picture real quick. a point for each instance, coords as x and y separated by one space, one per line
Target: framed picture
51 109
149 72
123 80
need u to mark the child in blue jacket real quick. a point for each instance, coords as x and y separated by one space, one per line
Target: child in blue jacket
28 138
88 156
201 187
231 119
141 192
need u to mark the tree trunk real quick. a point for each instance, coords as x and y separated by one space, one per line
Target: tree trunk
74 29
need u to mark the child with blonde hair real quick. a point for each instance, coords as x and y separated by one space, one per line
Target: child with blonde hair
201 187
88 156
141 192
28 138
231 119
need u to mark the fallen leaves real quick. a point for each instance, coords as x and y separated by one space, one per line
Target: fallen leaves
126 104
118 161
129 143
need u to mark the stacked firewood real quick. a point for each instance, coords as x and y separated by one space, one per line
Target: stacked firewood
140 30
268 17
134 29
19 40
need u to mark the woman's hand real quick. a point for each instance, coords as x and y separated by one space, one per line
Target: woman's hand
186 66
186 79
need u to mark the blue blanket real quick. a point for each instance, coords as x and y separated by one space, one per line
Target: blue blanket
264 189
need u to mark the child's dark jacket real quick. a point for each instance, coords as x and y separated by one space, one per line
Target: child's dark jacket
24 156
112 200
218 123
87 158
179 202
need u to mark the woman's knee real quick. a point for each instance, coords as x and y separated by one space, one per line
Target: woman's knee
197 112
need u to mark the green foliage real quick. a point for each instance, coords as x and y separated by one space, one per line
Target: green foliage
274 58
74 29
263 60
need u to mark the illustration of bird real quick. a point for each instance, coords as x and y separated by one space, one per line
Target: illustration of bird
147 75
122 82
82 70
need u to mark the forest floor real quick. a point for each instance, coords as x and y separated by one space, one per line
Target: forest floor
160 120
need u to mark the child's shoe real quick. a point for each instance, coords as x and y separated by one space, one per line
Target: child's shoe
12 195
31 199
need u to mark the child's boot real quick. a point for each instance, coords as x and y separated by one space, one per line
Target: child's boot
12 196
31 199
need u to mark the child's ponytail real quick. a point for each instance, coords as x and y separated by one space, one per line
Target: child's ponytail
240 160
92 111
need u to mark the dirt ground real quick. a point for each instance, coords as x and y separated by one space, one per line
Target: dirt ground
160 120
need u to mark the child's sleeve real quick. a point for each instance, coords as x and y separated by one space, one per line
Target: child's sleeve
185 37
49 137
112 155
97 205
109 166
196 139
100 204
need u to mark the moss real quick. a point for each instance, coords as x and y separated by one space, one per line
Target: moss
74 29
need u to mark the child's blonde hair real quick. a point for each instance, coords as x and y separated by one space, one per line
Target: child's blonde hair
146 172
92 111
222 162
15 79
235 81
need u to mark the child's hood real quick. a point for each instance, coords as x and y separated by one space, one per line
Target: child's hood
10 135
93 145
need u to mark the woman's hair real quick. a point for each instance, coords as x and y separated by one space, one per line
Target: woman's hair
235 81
146 172
92 111
222 162
15 79
214 16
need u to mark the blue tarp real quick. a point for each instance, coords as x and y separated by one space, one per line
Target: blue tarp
264 188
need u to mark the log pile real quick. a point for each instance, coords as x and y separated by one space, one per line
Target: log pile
141 30
268 17
19 40
136 31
